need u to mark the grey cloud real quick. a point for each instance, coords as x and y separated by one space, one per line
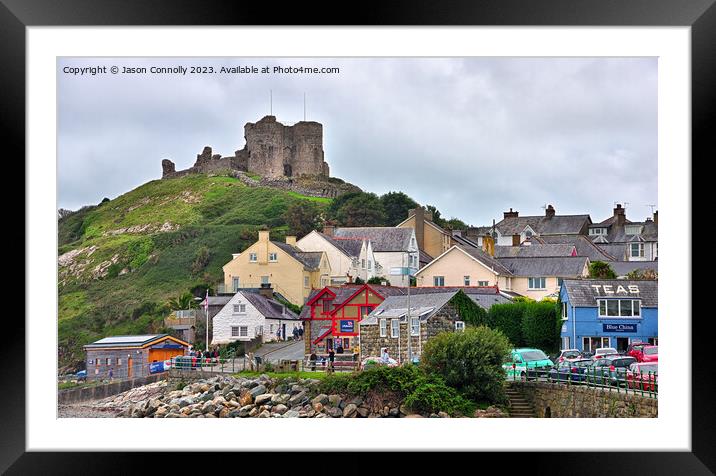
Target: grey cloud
473 136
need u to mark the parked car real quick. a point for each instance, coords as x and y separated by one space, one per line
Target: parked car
527 363
643 376
646 353
568 354
634 348
603 351
570 371
609 370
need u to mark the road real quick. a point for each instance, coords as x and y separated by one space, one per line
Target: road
275 351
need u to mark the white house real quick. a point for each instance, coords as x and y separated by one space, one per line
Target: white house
343 254
249 315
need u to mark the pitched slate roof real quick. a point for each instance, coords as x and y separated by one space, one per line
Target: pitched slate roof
350 246
423 305
310 259
622 268
584 246
617 250
486 259
424 258
581 293
345 292
382 238
534 250
543 225
565 266
617 233
269 308
464 241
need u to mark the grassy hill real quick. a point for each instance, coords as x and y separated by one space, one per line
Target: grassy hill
121 261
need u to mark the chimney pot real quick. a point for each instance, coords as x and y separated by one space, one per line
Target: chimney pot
656 217
329 229
511 214
291 240
549 211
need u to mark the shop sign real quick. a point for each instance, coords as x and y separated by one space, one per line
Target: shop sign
619 327
347 326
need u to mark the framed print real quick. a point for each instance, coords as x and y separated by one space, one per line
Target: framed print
419 228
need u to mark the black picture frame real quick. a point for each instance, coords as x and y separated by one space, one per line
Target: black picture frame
700 15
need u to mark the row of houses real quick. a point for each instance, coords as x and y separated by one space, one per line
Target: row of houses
531 256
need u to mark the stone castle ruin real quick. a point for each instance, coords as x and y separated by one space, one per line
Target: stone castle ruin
272 150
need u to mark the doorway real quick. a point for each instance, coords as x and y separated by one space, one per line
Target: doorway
622 344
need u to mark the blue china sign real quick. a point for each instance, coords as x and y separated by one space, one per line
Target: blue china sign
619 327
347 326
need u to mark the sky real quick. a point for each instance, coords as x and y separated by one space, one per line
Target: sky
472 136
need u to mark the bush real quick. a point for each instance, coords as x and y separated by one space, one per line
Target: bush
470 361
435 396
601 270
540 326
508 319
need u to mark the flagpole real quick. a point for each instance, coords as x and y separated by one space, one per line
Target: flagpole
206 311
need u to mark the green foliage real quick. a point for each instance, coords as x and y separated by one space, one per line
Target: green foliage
541 326
437 219
396 206
419 390
378 280
293 307
642 274
185 301
302 217
201 260
601 270
470 361
138 251
469 311
358 209
508 319
358 281
455 224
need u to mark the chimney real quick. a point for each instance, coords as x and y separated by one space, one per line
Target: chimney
291 240
656 217
619 214
488 244
428 215
549 211
263 235
515 240
328 229
420 226
266 290
511 214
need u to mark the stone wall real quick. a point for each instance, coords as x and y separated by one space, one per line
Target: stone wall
96 392
570 401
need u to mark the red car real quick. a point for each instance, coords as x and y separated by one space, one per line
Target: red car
645 353
643 376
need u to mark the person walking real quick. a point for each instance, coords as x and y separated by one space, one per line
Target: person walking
295 333
111 373
331 359
300 333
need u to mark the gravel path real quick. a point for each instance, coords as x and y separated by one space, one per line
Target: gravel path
85 410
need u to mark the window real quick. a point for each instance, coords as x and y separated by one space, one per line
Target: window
253 258
414 326
383 327
235 284
305 281
119 361
326 305
528 234
273 257
590 344
243 331
637 250
483 283
365 310
271 328
258 330
362 263
632 229
438 280
370 264
597 231
459 326
619 308
234 331
564 315
394 327
264 279
565 342
239 308
109 361
536 283
466 280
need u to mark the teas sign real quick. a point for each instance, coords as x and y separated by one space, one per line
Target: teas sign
619 327
347 326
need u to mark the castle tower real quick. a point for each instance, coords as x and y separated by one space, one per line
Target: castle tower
275 150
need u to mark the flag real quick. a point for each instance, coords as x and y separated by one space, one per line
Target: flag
206 302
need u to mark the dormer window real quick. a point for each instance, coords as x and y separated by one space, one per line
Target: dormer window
597 231
632 229
326 305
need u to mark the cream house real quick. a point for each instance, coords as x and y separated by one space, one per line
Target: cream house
290 271
431 238
533 277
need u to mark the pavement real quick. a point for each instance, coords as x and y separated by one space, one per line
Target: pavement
275 351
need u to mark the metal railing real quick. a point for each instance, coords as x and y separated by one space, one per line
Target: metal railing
617 380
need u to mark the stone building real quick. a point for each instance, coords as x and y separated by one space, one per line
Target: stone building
272 150
387 327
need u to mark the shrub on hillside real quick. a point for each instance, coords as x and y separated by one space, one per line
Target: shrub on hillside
470 361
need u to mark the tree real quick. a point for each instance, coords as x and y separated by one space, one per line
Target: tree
396 206
539 326
454 224
436 215
377 280
470 361
364 209
302 217
601 270
642 274
185 301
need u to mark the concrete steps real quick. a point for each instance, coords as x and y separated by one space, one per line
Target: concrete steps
520 407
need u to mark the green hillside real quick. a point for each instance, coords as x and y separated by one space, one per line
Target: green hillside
121 261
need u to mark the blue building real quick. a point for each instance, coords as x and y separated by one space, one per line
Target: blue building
608 313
